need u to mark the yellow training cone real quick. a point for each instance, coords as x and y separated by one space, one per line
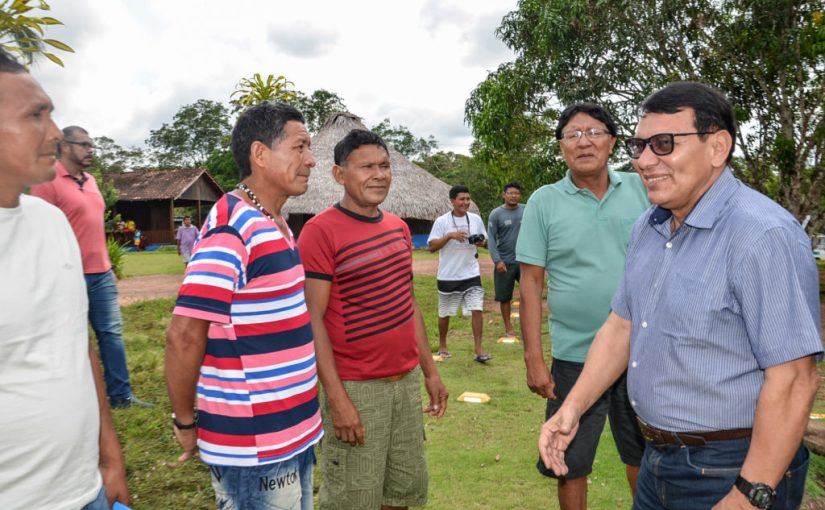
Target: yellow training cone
474 398
507 340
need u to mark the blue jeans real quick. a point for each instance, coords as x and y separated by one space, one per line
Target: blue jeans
104 314
677 477
100 503
278 486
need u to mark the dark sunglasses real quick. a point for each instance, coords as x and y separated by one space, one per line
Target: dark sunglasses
661 144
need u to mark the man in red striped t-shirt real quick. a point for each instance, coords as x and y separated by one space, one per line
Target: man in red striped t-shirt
370 339
240 338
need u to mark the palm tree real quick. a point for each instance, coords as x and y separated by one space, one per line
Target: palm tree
253 90
24 35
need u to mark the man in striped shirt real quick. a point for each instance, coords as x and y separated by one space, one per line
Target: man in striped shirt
370 338
240 339
716 322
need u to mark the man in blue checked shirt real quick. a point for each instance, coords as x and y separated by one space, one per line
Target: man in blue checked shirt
716 321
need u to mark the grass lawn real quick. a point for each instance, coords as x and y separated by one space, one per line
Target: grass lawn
143 263
481 456
167 261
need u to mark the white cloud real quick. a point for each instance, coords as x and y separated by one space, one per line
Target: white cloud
138 62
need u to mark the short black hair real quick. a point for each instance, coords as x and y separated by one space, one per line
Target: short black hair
353 140
263 122
512 184
187 216
455 190
8 64
592 109
711 109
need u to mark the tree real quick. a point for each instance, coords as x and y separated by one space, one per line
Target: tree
221 166
404 141
24 34
112 158
767 55
456 169
253 90
317 107
196 130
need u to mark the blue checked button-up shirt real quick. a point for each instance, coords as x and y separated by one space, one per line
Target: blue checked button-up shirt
732 292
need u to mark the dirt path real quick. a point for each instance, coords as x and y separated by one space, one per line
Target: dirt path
139 288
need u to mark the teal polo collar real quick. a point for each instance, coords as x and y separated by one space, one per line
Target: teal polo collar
570 187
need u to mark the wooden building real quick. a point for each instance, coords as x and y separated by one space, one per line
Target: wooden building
149 199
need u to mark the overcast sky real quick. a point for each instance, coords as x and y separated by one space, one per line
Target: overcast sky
138 61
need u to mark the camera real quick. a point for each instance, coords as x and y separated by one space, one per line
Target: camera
475 238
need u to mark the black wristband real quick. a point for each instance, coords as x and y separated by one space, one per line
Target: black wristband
185 426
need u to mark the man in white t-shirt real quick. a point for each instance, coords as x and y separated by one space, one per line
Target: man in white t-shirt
58 446
455 236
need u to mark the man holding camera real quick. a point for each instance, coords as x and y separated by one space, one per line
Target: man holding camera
455 236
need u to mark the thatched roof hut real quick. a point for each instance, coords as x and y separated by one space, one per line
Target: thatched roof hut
415 195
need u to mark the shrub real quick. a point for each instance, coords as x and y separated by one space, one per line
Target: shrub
116 255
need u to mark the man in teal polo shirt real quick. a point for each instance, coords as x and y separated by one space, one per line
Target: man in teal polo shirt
577 230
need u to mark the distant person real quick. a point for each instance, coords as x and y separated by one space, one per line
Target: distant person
575 232
716 321
186 236
455 236
240 341
503 227
75 192
58 446
370 339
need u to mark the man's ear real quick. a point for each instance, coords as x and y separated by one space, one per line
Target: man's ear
721 144
338 174
259 155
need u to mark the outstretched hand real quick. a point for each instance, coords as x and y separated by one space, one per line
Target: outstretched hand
556 435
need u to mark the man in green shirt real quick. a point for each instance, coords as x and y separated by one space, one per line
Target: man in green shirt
577 231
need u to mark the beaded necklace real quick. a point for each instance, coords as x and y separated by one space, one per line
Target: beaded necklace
243 187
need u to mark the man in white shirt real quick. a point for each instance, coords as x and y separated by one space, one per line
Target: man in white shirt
58 447
455 236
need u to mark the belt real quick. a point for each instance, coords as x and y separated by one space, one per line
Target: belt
395 378
658 436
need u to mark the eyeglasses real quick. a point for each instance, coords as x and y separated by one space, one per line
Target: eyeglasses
591 134
85 145
661 144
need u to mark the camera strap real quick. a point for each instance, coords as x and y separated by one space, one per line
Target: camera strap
466 217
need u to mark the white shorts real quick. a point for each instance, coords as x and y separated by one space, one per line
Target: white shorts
470 300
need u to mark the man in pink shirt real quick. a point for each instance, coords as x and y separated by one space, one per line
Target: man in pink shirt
75 192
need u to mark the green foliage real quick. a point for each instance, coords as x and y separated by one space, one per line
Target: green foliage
767 55
221 166
111 158
456 169
24 35
317 107
404 141
253 90
117 256
196 130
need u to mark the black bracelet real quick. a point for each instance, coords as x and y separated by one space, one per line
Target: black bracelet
185 426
